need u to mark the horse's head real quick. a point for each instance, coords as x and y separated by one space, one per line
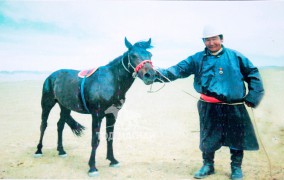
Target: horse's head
140 60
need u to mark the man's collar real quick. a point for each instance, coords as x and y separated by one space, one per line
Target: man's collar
219 53
216 53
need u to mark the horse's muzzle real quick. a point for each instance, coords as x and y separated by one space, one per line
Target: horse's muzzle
149 78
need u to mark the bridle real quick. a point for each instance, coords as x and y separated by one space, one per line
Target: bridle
138 67
135 69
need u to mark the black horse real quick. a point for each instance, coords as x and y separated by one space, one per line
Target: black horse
101 95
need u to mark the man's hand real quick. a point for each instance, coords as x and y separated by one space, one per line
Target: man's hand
249 104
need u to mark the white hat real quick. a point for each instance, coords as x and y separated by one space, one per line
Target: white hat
210 31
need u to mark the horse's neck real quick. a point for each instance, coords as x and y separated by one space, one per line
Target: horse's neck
120 71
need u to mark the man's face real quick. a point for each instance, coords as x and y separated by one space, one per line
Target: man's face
213 43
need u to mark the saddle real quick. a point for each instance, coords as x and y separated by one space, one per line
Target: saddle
87 73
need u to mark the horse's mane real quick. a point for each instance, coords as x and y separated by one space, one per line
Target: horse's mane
143 44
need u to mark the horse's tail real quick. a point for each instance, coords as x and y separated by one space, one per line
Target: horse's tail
76 128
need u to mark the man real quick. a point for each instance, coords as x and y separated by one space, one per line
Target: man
219 76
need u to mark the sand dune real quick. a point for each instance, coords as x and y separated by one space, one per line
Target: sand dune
156 135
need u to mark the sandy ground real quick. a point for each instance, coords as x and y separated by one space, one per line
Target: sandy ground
156 135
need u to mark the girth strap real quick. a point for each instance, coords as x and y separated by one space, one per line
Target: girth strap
83 95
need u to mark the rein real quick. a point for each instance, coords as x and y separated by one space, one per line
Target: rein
164 83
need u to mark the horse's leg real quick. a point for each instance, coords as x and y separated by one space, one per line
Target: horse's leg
47 104
64 115
111 116
96 125
110 122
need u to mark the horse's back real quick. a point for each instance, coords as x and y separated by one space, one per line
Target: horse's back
62 73
59 75
64 84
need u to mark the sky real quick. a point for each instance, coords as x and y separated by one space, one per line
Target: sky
57 34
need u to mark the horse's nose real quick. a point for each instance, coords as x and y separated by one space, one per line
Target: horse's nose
147 75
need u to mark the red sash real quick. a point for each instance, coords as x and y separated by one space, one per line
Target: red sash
210 99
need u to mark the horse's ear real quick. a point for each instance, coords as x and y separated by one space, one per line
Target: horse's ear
127 43
149 43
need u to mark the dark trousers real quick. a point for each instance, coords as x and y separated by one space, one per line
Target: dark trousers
225 125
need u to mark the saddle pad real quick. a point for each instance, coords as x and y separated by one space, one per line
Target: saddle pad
87 73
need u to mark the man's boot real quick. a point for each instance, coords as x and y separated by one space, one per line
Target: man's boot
208 166
236 164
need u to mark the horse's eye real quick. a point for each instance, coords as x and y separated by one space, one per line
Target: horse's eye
133 56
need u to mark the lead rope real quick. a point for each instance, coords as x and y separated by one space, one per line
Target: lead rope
266 154
164 84
253 117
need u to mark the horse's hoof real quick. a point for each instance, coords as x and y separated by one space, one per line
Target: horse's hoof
114 165
93 174
37 155
62 155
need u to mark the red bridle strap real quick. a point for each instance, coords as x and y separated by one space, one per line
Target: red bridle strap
140 65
